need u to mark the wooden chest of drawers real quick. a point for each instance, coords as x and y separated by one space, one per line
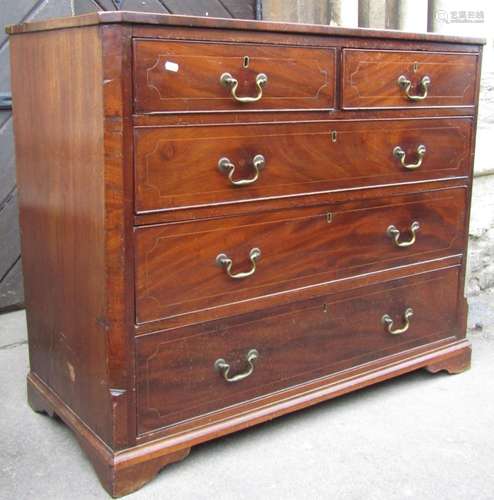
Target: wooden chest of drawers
225 221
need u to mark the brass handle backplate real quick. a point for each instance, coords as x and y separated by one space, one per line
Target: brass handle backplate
224 261
223 367
227 167
394 233
406 85
228 81
387 321
399 153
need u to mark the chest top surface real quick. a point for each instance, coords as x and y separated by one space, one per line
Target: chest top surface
155 19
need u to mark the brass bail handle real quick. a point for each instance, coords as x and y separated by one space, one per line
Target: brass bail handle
227 167
227 80
387 321
406 85
223 367
224 261
394 233
399 153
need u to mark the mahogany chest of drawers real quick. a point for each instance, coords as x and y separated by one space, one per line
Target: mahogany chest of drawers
226 221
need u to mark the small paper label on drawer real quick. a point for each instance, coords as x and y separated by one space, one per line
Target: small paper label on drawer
171 66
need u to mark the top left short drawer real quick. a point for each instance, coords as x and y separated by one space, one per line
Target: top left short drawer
172 76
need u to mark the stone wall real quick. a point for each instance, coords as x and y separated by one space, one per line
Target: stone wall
480 277
480 269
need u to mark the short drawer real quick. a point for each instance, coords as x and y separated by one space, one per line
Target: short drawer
402 79
281 348
191 166
186 76
212 263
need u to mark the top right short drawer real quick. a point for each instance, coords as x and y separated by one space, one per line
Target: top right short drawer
375 79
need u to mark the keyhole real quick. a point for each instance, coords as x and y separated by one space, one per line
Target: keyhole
246 61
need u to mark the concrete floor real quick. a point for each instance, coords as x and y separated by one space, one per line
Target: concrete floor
421 436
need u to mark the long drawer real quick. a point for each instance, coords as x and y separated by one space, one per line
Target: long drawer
187 76
207 264
190 166
280 348
404 79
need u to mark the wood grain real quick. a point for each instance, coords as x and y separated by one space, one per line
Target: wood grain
118 188
60 158
245 9
241 9
178 167
123 473
11 286
212 8
296 345
298 77
120 474
457 363
127 311
10 248
156 19
370 78
299 249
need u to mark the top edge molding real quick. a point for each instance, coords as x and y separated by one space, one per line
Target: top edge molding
146 18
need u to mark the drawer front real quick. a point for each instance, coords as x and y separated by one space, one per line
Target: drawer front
390 79
186 267
182 166
185 76
294 344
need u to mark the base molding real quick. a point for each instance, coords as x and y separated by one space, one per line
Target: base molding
124 471
458 362
120 472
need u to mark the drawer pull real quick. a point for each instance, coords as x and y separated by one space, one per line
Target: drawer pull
387 321
394 233
226 166
399 153
406 85
224 261
227 80
223 367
